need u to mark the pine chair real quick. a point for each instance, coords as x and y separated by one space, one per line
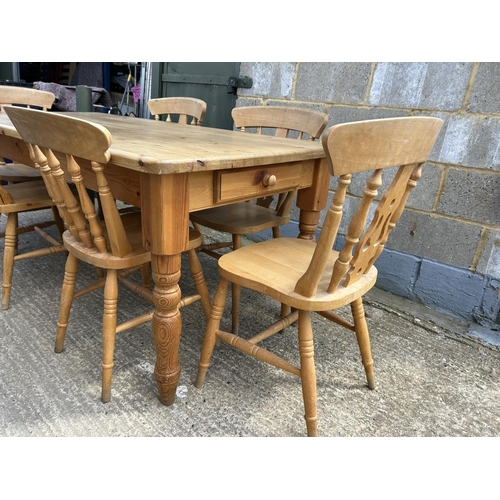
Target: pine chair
114 243
309 276
247 218
185 107
24 191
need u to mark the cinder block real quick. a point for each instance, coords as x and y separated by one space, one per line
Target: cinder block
292 134
295 104
269 79
470 140
486 89
489 308
345 114
437 86
422 196
472 195
248 101
423 235
441 239
449 290
397 273
489 263
343 83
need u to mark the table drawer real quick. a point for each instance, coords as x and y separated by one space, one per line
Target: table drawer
230 185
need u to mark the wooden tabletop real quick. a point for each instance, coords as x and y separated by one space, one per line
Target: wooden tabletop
159 147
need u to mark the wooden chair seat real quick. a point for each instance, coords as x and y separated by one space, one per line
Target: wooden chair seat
281 275
138 254
16 199
112 242
239 218
17 172
265 213
106 260
311 277
24 196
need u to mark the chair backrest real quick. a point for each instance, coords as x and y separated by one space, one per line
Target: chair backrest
185 107
53 139
358 147
25 97
281 120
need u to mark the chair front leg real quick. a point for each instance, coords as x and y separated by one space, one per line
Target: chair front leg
236 294
211 331
10 248
199 282
109 331
308 372
67 293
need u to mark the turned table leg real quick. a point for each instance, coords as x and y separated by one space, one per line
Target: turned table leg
312 200
167 324
165 232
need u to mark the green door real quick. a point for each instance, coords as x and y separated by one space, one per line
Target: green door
6 71
209 81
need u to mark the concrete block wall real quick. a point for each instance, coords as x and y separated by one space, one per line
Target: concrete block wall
445 250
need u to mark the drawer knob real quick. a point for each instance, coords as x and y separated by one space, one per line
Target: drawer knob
269 180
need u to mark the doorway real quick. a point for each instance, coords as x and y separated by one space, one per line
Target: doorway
208 81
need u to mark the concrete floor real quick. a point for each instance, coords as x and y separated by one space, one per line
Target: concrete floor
436 376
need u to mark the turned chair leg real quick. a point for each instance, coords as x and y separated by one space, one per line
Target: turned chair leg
361 328
10 246
211 331
285 311
59 222
109 331
199 282
236 294
16 217
67 292
308 372
145 274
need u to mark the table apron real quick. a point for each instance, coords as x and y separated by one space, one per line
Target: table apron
204 187
165 230
15 149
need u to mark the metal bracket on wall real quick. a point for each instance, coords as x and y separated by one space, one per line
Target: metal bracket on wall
232 83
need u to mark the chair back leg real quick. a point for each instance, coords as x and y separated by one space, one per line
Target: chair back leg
361 329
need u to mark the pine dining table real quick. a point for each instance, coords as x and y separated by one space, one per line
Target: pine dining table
169 170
